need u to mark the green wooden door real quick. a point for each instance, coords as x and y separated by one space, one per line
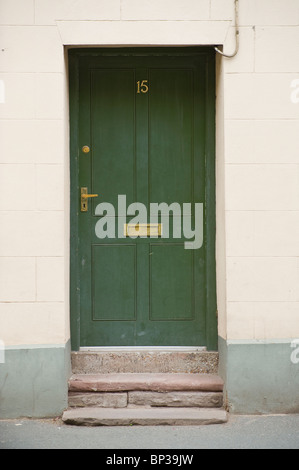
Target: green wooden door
144 118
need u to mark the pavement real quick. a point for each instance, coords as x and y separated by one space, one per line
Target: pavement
240 432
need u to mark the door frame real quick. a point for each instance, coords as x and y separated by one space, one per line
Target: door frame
74 56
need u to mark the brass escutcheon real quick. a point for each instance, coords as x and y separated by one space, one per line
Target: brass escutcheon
85 149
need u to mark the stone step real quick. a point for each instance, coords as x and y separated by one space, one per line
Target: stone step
143 416
145 382
145 399
176 399
98 399
183 360
148 399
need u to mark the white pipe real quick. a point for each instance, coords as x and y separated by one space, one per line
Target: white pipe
237 33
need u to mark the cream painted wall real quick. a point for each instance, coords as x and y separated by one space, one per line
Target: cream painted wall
33 180
261 154
257 154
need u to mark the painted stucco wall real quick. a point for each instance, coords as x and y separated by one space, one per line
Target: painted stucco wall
257 210
257 178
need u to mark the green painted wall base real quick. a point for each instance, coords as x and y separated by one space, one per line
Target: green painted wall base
33 381
259 377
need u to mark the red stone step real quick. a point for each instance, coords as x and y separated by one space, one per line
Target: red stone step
145 382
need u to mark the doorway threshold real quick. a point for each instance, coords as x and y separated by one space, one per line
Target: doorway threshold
144 359
118 349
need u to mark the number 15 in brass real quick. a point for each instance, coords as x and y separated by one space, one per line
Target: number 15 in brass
142 86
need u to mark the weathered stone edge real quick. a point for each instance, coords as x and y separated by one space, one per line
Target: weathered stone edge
147 398
145 382
144 417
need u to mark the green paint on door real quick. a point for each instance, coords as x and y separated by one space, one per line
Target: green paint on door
143 113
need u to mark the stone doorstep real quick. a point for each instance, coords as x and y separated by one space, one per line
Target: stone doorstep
152 399
145 382
107 362
144 416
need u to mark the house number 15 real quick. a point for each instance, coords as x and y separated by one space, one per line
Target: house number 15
142 87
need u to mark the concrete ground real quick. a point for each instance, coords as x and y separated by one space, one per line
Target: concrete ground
241 432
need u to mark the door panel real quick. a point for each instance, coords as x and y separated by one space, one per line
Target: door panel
114 282
171 135
143 116
174 300
113 133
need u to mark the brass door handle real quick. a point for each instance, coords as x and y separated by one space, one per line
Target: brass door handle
84 199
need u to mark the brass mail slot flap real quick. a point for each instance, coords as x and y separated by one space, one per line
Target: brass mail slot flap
143 230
